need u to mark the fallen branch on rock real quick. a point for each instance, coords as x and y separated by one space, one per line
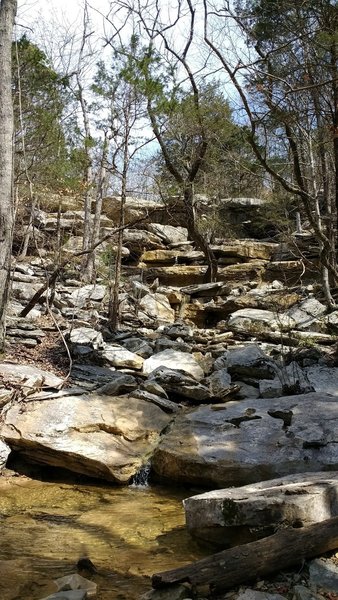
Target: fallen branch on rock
232 567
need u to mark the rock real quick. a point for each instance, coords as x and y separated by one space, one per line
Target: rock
180 384
250 441
90 376
164 403
290 379
249 594
323 379
252 321
157 306
76 582
249 361
178 330
88 293
324 574
119 357
154 388
139 346
245 249
332 322
4 454
235 516
218 382
105 437
138 239
306 313
174 592
246 391
86 336
168 233
121 384
68 595
303 593
174 359
18 373
218 288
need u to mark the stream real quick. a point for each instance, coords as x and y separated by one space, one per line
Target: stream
129 533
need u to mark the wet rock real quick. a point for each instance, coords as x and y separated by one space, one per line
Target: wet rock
180 384
120 357
251 440
77 582
324 574
68 595
234 516
174 359
100 436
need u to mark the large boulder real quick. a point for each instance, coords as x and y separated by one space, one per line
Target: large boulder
251 440
234 516
97 435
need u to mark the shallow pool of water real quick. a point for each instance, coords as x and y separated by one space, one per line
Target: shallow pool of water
129 533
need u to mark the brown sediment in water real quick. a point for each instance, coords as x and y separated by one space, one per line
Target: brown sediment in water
129 533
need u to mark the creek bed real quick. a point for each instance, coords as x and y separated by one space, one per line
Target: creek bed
129 533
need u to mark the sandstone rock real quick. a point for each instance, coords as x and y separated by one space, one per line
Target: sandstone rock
251 440
4 454
246 249
100 436
218 288
174 359
120 357
157 306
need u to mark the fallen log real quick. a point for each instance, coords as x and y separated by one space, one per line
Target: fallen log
232 567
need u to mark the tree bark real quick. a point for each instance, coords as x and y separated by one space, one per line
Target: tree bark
284 549
7 16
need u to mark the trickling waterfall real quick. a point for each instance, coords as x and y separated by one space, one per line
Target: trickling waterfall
141 479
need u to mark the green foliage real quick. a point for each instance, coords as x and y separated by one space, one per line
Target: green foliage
40 99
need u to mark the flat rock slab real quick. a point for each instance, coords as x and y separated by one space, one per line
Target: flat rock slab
18 373
99 436
234 516
250 441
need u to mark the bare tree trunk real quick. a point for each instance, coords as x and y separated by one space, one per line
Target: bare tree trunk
95 232
7 16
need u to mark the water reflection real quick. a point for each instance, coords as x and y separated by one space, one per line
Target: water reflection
129 533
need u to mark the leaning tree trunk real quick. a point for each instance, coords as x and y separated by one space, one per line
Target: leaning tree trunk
7 15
